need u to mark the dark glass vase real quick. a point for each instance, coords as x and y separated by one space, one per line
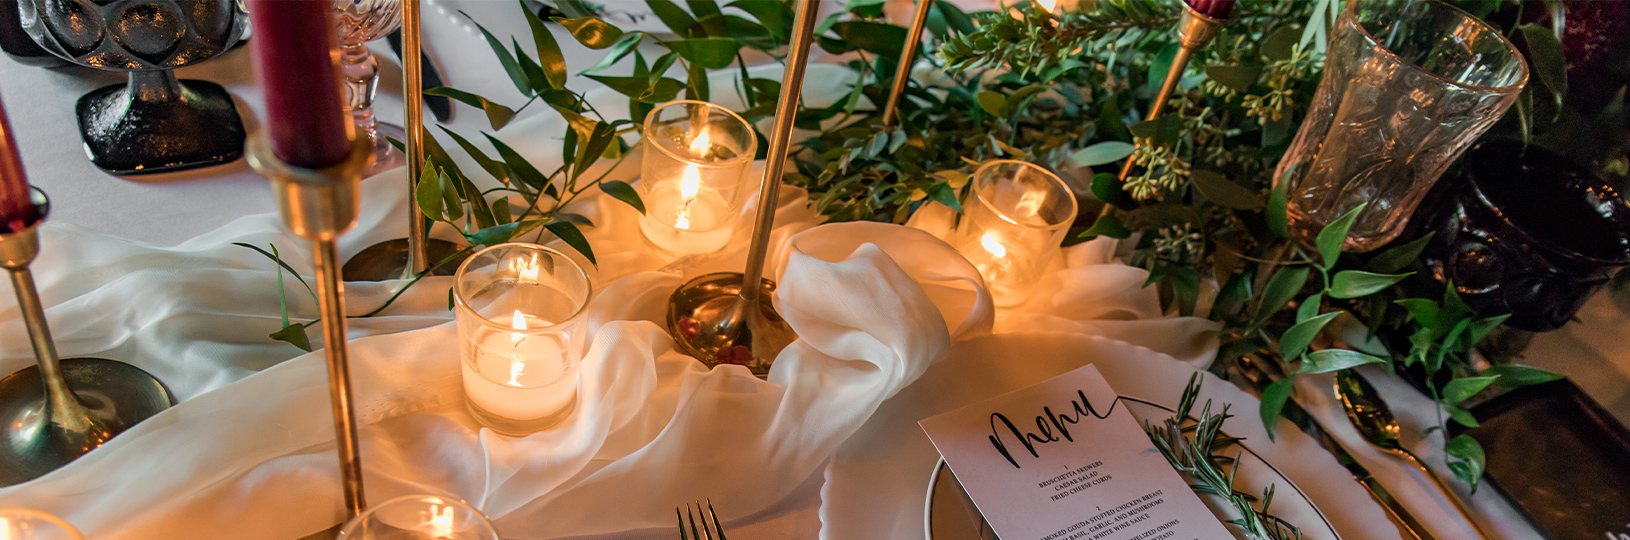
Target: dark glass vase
1524 231
154 123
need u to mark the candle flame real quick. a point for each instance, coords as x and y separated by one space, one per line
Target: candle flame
441 521
526 271
1047 4
7 529
688 187
701 144
992 245
1030 203
516 366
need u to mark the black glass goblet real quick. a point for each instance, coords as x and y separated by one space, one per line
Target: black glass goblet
154 123
1524 231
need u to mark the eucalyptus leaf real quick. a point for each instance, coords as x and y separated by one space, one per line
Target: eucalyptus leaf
1309 307
1106 225
943 194
567 231
1280 289
1219 189
550 59
524 171
1356 283
672 16
1101 153
1424 311
874 37
993 102
1273 403
428 195
617 52
1547 60
498 115
1333 236
1469 468
505 60
710 53
592 32
1332 360
1518 375
1235 77
623 192
1298 337
1398 257
1464 388
293 334
1275 216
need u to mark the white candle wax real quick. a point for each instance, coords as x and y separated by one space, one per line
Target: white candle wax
520 376
699 223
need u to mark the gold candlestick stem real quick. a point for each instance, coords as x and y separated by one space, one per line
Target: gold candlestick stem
320 205
718 318
413 89
61 409
405 258
908 57
1196 30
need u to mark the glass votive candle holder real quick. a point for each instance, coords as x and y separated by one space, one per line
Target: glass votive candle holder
693 176
25 524
1014 219
420 517
518 307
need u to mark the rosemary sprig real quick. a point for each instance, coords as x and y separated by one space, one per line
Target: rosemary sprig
1193 448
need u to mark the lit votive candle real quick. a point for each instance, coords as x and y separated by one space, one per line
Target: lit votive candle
24 524
420 517
693 175
1015 218
517 309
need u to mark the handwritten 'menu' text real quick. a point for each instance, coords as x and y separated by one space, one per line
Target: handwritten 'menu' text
1050 426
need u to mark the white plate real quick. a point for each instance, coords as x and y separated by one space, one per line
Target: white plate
951 515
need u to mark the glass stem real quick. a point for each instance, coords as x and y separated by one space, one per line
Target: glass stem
155 86
361 74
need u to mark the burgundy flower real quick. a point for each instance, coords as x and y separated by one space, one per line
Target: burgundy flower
1216 9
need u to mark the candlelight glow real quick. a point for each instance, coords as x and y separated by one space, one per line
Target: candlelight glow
1047 4
441 520
992 245
700 145
7 531
516 366
1030 203
526 271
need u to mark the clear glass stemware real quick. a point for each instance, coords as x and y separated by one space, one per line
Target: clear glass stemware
357 22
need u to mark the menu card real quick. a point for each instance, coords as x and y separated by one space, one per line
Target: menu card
1065 460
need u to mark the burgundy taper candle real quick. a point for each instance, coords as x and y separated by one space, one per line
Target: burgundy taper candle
16 204
295 56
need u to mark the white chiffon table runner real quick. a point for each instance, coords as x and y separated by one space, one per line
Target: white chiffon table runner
249 451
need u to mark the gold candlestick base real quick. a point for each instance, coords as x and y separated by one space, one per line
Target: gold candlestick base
115 395
59 410
389 260
708 321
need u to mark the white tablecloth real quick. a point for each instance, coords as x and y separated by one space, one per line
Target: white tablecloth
171 209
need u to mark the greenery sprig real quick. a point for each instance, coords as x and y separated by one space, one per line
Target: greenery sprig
1194 447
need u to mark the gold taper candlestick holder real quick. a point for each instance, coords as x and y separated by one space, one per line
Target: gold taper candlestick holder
714 317
1195 30
319 205
60 409
405 258
908 57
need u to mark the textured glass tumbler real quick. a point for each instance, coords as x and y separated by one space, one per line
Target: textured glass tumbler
693 175
1014 220
420 517
518 306
1408 84
24 524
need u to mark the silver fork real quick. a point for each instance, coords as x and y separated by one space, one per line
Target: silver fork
711 529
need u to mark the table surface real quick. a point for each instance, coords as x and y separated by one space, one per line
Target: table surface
167 209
